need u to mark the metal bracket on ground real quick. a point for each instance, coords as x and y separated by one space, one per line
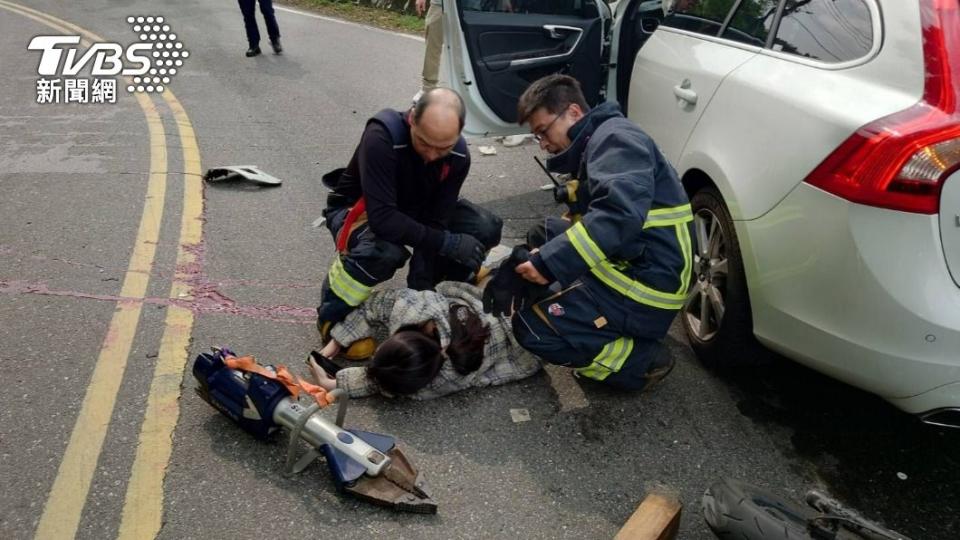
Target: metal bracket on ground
294 465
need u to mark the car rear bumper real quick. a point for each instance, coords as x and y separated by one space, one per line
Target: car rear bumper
938 406
862 294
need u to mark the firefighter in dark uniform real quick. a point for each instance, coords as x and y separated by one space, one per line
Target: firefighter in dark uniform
401 190
620 264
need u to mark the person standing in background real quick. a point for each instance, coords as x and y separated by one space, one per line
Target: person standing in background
249 10
433 34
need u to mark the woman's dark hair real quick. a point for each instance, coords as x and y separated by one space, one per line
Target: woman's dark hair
469 335
409 359
406 362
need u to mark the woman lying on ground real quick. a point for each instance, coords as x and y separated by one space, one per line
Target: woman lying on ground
440 342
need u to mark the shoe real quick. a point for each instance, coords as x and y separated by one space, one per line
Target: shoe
277 47
324 363
657 373
253 51
362 349
324 328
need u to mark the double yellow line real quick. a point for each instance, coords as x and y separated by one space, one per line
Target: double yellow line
143 506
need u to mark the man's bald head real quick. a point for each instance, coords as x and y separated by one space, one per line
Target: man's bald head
435 123
441 103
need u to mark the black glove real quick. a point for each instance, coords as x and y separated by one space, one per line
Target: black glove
506 287
464 249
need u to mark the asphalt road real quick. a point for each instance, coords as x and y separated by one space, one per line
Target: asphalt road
83 223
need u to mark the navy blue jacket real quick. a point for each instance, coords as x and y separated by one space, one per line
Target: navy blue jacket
635 238
408 202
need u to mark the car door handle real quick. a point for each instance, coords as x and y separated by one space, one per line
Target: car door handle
558 31
683 92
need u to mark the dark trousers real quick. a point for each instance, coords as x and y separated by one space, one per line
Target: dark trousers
249 10
370 260
583 327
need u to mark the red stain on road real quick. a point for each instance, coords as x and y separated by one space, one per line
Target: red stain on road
203 296
206 299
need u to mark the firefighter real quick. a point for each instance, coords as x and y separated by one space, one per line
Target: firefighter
620 264
401 190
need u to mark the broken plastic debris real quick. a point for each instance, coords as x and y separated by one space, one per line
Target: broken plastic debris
245 172
487 150
514 140
520 415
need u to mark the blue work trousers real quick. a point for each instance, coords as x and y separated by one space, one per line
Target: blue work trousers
249 10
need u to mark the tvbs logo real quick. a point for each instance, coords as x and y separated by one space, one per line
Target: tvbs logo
106 58
148 65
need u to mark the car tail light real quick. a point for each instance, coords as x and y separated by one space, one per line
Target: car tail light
900 161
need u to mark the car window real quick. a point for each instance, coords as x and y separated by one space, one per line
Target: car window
827 30
573 8
752 21
701 16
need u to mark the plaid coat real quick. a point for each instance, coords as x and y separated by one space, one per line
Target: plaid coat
503 359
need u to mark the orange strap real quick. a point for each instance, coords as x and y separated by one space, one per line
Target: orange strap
347 228
283 376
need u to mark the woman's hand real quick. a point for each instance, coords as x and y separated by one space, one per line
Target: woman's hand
324 379
320 376
331 349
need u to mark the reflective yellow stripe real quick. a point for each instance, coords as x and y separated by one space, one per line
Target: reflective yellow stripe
607 272
343 285
610 360
585 246
665 217
635 290
683 237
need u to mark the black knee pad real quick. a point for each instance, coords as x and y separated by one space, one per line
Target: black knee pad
478 222
537 236
490 230
390 256
374 261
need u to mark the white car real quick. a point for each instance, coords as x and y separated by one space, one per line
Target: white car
819 141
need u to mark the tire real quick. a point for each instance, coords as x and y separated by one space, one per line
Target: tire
734 509
716 314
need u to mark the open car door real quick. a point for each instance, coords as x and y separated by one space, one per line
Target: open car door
496 48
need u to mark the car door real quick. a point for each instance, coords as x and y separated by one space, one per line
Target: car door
496 48
683 63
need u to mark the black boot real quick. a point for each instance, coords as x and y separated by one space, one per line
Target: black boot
253 51
277 47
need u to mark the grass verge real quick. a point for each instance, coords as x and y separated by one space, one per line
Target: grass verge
347 10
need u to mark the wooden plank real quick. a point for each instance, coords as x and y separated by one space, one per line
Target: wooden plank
657 518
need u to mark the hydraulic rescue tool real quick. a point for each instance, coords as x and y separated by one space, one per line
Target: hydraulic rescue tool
261 399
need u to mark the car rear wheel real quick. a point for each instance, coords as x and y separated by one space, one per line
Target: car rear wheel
716 314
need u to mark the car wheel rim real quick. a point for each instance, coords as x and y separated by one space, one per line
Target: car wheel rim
705 305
